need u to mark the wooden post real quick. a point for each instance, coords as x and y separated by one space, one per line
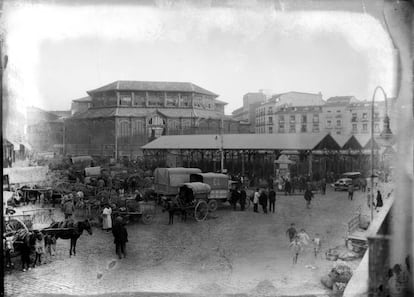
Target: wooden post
310 158
242 160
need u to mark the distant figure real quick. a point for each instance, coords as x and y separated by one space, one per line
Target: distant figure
106 218
308 197
379 200
39 248
263 201
272 200
291 232
304 238
287 187
120 237
296 248
256 200
350 191
316 244
68 208
243 196
363 184
323 186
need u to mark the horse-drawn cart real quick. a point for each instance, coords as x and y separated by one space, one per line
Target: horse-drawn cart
132 209
192 198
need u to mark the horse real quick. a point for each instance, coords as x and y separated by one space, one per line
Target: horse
73 233
173 208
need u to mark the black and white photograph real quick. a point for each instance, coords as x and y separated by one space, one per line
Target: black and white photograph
207 148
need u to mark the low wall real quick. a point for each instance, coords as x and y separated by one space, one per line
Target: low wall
26 175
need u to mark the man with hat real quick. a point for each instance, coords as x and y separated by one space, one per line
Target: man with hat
120 237
68 208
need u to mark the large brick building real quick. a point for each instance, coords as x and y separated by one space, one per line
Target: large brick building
124 115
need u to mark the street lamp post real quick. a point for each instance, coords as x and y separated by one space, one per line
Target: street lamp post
386 134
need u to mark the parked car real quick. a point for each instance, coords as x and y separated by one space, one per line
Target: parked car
342 184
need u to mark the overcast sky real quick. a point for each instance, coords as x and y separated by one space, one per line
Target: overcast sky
57 53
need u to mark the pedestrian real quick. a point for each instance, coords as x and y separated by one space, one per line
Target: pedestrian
323 186
256 196
68 208
291 232
120 237
25 251
379 200
243 196
106 218
308 197
304 237
287 187
363 184
263 201
296 248
316 244
234 198
39 248
350 191
272 200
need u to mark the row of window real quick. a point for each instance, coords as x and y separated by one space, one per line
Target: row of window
155 99
292 119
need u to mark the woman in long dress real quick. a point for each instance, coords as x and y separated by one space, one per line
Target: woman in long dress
107 219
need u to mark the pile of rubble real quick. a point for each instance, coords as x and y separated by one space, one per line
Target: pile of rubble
338 277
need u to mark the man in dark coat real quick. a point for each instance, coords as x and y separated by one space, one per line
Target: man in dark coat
243 196
272 200
120 237
308 197
263 201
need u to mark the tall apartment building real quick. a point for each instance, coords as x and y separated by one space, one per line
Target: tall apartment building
289 113
247 113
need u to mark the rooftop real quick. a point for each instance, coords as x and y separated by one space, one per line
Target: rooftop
83 99
286 141
163 86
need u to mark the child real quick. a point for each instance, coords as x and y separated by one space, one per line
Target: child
50 245
316 244
39 248
296 248
303 237
291 232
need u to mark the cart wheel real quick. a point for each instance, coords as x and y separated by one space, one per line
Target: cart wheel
212 205
147 218
201 211
14 224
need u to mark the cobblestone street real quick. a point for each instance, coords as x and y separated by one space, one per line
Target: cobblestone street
232 252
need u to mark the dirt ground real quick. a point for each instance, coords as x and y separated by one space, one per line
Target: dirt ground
231 252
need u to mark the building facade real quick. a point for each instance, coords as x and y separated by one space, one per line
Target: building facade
124 115
341 115
289 113
247 113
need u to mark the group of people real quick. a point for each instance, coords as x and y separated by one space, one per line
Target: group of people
298 241
264 198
